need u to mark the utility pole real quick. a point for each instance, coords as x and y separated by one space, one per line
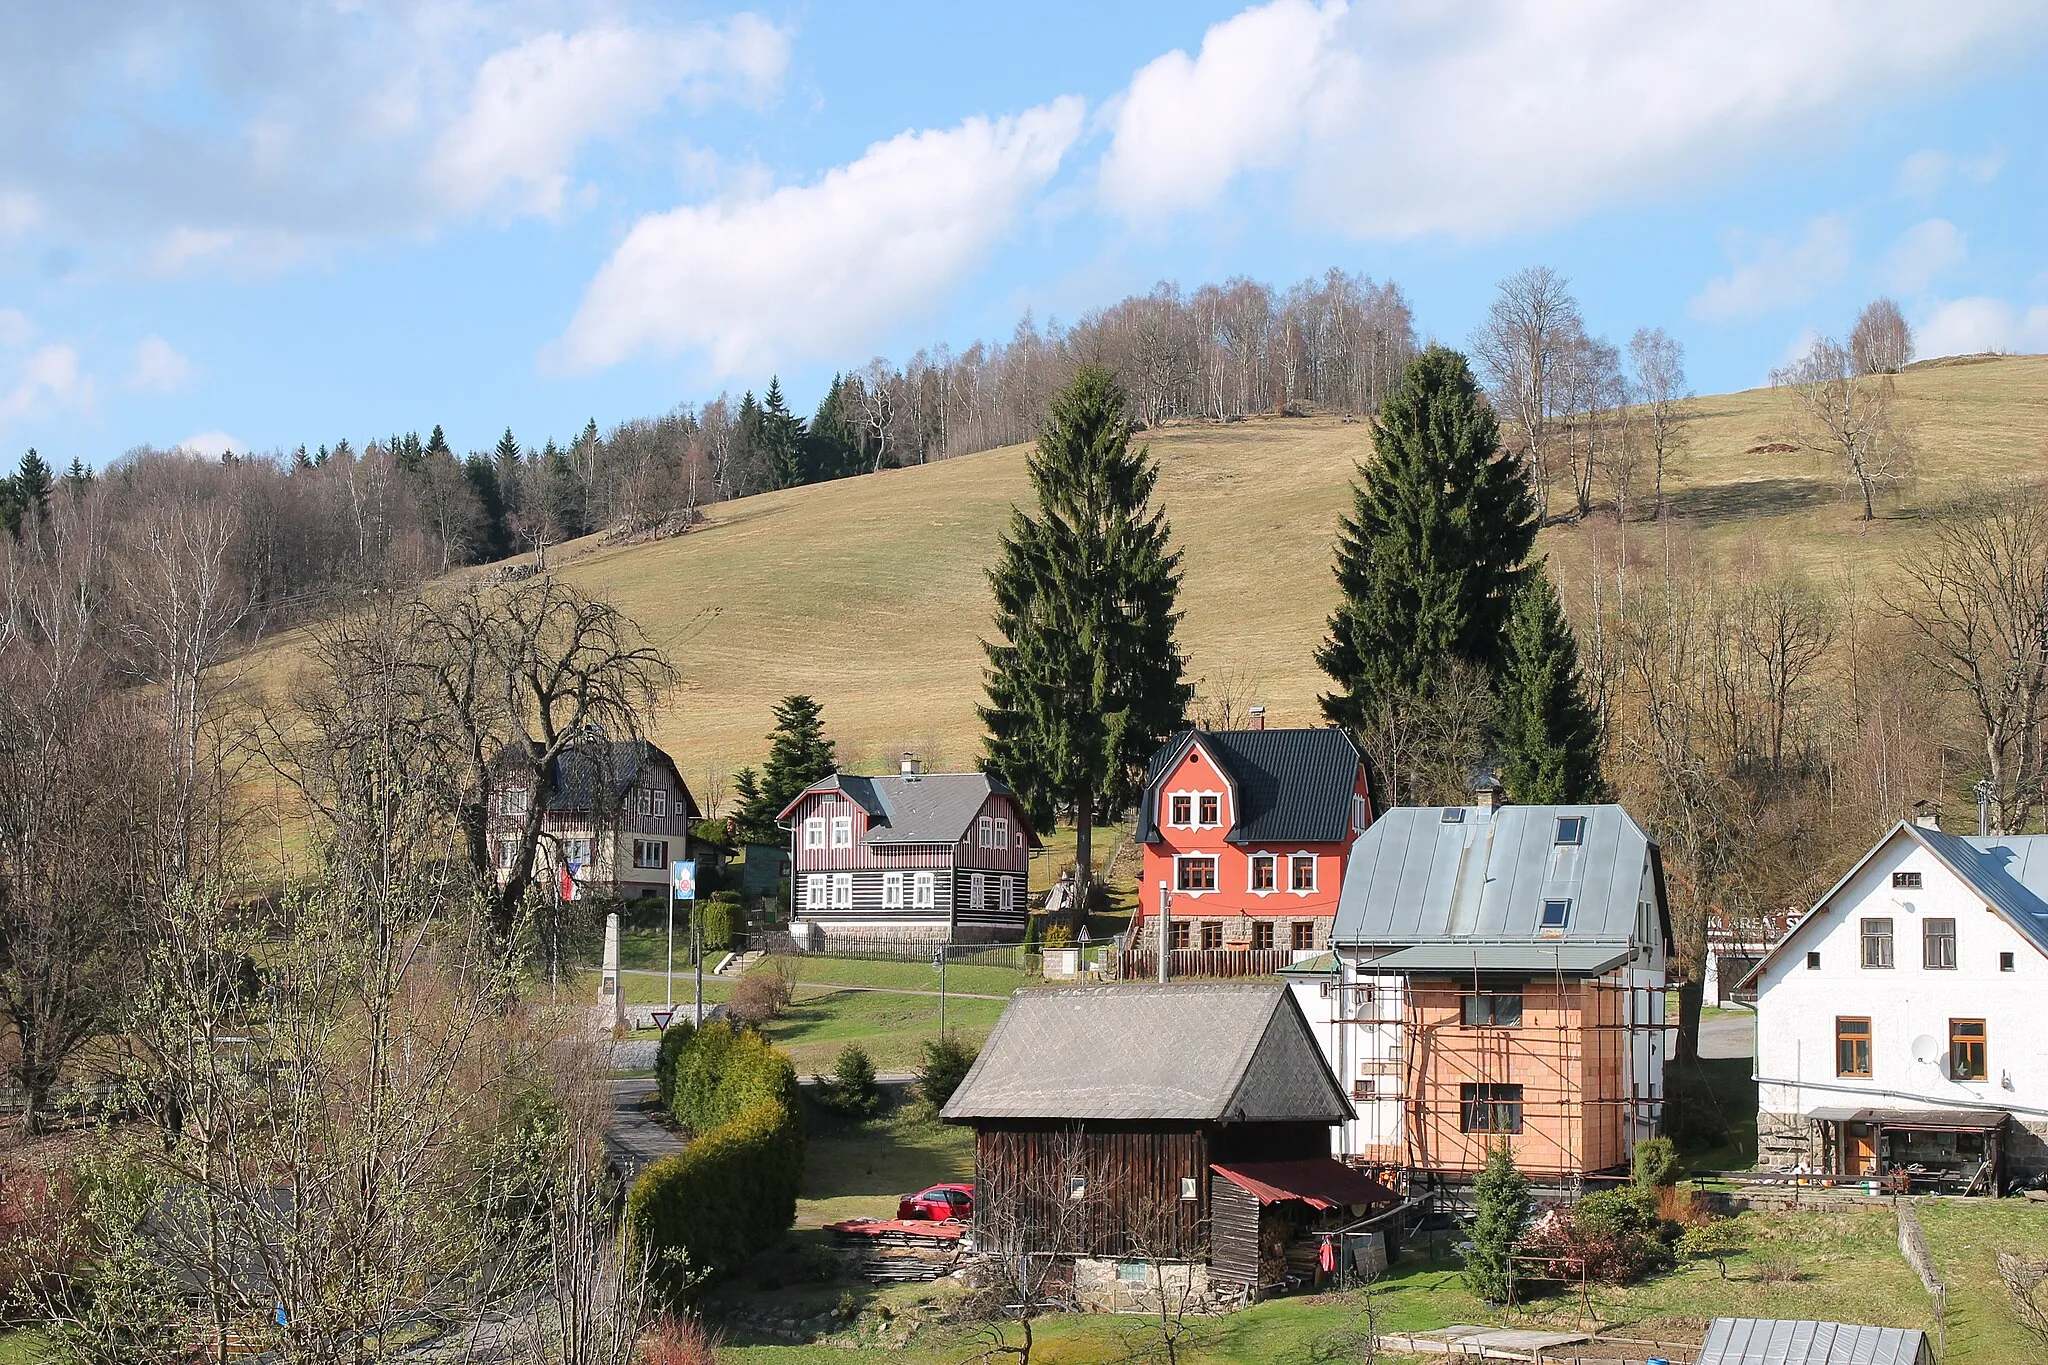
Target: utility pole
1165 932
939 961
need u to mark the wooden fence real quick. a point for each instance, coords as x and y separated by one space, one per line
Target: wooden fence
1142 964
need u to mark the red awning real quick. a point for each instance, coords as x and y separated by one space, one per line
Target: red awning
1322 1182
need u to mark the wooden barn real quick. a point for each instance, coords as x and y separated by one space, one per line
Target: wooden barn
1122 1125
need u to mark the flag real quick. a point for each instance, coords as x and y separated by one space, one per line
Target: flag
569 871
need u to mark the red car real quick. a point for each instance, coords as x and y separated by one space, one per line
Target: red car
938 1204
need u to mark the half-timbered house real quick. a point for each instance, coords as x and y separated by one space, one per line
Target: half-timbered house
615 814
942 857
1246 835
1126 1125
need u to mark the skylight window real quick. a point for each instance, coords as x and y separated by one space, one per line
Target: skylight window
1454 815
1556 914
1571 829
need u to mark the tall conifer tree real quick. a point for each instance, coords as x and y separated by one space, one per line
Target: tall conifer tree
1549 736
1087 679
798 755
1431 557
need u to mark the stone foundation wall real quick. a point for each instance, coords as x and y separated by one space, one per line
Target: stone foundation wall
1099 1286
1784 1140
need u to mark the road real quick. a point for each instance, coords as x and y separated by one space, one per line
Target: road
637 1137
1728 1035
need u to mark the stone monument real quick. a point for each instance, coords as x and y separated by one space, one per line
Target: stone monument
611 996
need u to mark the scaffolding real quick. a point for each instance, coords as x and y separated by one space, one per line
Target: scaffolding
1578 1051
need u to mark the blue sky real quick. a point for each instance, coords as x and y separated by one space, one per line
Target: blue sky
265 224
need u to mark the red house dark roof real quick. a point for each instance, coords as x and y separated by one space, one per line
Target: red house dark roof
1290 786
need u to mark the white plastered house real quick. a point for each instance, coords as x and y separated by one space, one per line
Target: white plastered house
1899 1021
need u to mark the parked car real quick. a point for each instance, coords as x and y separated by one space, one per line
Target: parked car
938 1203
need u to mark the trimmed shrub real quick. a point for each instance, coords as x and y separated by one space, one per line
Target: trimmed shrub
852 1090
945 1065
732 1192
1059 936
1655 1163
674 1042
715 923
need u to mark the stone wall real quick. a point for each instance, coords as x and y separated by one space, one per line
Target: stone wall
1102 1285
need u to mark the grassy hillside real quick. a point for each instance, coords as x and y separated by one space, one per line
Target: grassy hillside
870 593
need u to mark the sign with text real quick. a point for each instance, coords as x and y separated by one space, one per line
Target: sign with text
682 880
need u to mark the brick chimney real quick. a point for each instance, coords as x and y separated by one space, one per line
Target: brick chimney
1927 814
1258 714
913 768
1487 792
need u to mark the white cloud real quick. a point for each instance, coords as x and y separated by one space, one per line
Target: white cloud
1771 273
536 104
1968 326
1923 253
818 268
19 211
211 444
1485 117
1925 174
16 328
1186 126
160 367
46 378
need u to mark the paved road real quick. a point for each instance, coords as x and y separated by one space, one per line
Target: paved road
1728 1035
637 1136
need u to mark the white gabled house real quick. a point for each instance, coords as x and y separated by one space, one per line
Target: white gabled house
1899 1021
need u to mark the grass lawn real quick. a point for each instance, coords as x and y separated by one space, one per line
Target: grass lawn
23 1347
854 1170
1966 1237
893 1028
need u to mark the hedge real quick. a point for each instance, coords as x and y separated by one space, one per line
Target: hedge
732 1192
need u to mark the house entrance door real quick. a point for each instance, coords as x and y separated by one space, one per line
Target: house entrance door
1859 1149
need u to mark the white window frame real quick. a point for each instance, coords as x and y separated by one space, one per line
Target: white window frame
985 832
1009 896
658 858
842 831
842 891
1180 858
661 803
513 801
977 891
1315 873
508 853
1170 822
1002 839
646 800
1358 814
1251 867
1194 796
814 832
816 896
892 890
1200 798
924 891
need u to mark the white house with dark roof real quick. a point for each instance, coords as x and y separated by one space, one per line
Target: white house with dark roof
919 856
1899 1021
1498 974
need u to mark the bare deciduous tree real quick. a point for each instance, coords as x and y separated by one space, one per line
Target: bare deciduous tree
1030 1220
1659 363
1520 347
1850 419
1978 598
1881 342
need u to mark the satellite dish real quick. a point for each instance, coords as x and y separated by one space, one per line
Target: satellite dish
1926 1049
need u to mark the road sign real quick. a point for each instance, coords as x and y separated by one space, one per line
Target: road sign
682 880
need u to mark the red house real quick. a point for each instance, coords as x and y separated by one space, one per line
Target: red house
1248 831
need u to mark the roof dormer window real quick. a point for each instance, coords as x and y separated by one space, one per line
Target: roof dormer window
1454 815
1556 915
1571 829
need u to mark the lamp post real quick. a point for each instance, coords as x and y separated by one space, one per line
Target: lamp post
1165 931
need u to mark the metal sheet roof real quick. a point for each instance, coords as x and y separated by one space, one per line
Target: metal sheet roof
1775 1341
931 808
1573 959
1291 786
1417 877
1932 1120
1196 1051
1323 1182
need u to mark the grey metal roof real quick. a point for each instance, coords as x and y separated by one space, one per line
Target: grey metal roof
931 808
584 769
1575 959
1775 1341
2009 871
1415 877
1194 1051
1289 786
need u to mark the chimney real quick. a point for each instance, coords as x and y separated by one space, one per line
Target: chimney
1258 718
1927 814
1487 792
912 768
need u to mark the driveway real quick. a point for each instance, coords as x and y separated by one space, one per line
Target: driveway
637 1135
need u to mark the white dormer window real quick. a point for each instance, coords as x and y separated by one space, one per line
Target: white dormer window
1212 810
1181 810
842 831
814 832
1571 829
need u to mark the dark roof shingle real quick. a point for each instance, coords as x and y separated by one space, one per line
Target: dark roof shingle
1292 786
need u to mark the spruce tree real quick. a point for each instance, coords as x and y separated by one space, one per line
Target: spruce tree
1549 736
782 438
1431 556
1500 1198
832 445
1087 679
34 482
798 755
749 825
